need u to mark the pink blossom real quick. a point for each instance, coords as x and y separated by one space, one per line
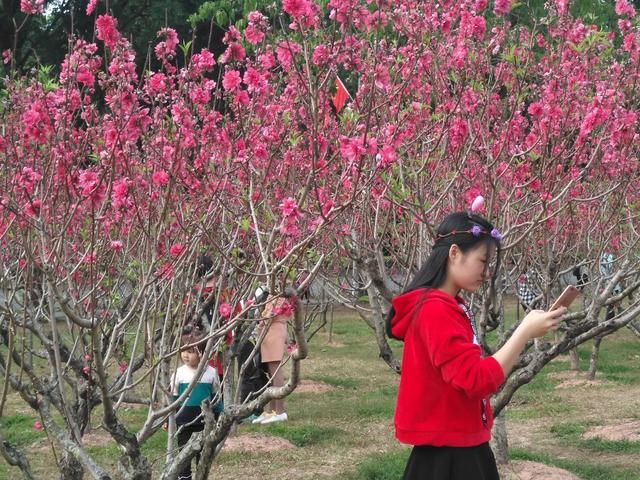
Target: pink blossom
91 6
32 208
502 7
241 98
297 8
478 27
85 76
480 5
234 53
623 8
225 310
176 249
116 245
37 425
167 47
351 148
122 367
254 80
120 194
160 177
459 55
284 309
535 109
32 7
86 370
87 357
231 80
320 55
593 119
289 207
253 34
157 83
289 227
386 156
562 6
6 56
458 133
285 53
106 27
232 36
203 61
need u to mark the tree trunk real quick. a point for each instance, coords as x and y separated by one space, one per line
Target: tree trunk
574 360
70 467
499 442
593 362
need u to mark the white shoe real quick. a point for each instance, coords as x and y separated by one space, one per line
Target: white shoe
263 417
275 418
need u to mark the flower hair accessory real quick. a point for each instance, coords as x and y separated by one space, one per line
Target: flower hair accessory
476 231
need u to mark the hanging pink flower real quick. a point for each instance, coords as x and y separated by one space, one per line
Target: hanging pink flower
116 245
6 56
32 7
37 425
231 80
167 47
91 6
289 207
297 8
502 7
160 177
176 249
225 310
106 27
623 8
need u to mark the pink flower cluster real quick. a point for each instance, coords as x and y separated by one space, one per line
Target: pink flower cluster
258 25
107 30
32 7
91 6
166 49
298 8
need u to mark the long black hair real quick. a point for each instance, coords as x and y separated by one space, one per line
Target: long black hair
466 230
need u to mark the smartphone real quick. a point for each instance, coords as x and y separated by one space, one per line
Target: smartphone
566 298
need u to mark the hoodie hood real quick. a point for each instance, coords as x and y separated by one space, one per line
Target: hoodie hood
407 306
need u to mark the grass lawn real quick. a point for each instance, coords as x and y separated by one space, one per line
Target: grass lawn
346 432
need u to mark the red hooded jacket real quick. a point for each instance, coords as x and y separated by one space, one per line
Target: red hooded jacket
445 381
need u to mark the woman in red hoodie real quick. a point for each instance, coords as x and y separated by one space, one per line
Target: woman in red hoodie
442 407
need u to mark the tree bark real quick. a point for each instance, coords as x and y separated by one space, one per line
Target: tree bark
70 467
593 362
16 458
499 442
574 360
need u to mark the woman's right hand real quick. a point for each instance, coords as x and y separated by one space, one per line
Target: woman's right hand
538 322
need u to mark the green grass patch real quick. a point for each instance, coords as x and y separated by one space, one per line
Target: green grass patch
19 431
573 432
386 466
378 403
300 435
339 382
586 471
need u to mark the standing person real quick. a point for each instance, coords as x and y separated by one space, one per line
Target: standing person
190 419
442 407
275 316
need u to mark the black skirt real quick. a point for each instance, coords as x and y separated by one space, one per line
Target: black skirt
451 463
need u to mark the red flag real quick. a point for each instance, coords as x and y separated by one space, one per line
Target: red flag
341 95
